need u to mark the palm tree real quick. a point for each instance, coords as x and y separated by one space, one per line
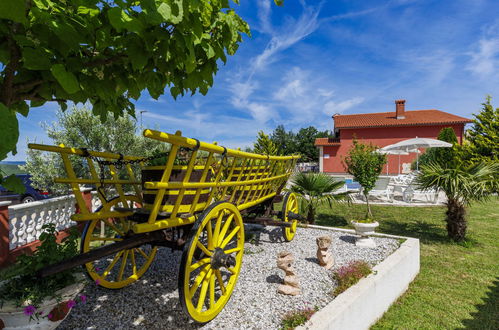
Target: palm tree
315 189
463 185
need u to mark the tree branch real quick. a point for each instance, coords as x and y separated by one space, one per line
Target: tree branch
104 61
27 85
10 70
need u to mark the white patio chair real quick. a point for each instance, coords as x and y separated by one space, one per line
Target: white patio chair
382 188
413 190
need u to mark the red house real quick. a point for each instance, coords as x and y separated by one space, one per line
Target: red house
382 129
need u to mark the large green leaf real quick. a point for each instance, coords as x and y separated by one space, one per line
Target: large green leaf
14 10
9 131
66 79
14 183
35 59
121 20
165 11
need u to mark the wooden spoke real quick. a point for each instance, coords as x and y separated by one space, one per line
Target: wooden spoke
123 264
111 265
218 224
119 231
134 264
229 237
199 279
198 264
204 289
225 228
212 291
203 248
220 281
236 249
142 253
209 232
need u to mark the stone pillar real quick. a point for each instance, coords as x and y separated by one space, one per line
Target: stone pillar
4 232
291 286
325 257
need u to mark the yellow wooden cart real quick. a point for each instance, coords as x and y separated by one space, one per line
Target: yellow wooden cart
194 202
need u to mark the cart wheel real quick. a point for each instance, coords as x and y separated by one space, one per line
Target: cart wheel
211 261
126 266
289 204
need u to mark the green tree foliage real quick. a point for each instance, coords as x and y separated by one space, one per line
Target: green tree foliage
365 164
285 141
305 139
444 156
264 145
300 143
79 128
463 184
106 53
315 189
483 137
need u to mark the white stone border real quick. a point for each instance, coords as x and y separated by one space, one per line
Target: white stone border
364 303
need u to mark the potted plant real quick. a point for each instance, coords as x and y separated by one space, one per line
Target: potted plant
28 302
365 164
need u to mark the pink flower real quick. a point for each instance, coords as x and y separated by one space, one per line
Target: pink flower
83 298
49 316
71 304
97 281
29 310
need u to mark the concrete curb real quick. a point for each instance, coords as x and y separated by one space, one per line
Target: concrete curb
363 304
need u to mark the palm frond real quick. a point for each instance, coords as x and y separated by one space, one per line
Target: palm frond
462 183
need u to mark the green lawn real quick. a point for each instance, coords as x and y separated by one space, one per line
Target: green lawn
458 284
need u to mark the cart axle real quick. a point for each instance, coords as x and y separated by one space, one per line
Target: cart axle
159 236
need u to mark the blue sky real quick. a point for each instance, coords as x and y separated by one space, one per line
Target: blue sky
307 60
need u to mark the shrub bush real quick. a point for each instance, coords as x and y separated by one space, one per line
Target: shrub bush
350 274
296 318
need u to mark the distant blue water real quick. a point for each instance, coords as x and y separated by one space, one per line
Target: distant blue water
352 184
12 163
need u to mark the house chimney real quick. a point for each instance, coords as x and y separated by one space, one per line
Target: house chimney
400 109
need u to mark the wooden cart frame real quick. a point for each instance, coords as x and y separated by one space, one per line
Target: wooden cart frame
197 207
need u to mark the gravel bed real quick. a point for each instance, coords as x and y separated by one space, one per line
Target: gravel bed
153 301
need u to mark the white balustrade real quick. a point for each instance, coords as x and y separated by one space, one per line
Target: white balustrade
26 220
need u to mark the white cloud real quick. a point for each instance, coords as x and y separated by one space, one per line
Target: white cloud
485 60
332 107
264 12
291 33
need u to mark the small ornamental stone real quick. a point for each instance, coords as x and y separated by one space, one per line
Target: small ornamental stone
291 286
325 257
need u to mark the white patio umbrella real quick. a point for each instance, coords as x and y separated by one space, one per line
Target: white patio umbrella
396 152
417 142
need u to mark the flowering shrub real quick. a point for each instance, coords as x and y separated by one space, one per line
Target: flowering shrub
350 274
295 318
20 282
57 313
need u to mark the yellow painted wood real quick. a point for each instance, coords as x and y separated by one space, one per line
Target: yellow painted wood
99 215
194 185
198 292
74 186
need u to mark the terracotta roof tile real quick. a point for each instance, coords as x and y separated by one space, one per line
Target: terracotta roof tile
384 119
327 142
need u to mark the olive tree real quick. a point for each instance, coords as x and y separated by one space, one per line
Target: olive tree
78 128
365 164
106 53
